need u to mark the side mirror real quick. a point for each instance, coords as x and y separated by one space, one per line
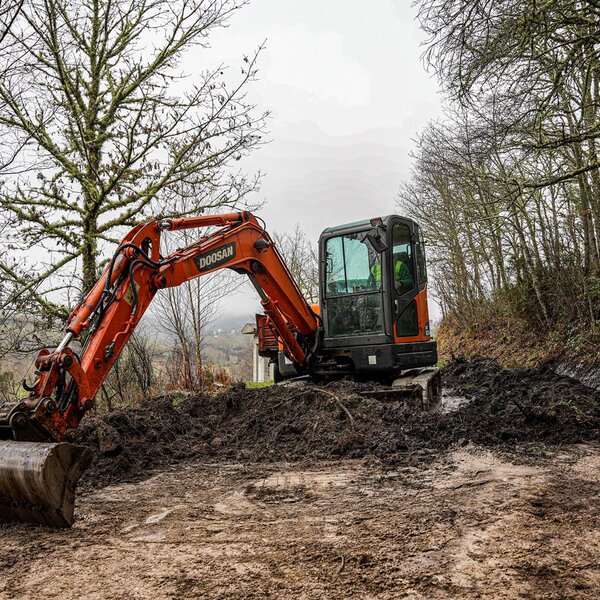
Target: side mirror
377 238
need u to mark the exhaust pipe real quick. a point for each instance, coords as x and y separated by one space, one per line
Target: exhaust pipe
38 481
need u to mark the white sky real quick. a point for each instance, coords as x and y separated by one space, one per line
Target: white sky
345 65
348 92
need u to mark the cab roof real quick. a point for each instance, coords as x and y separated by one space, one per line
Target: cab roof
352 225
355 225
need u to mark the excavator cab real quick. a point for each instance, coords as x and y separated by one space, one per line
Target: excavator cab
373 300
374 297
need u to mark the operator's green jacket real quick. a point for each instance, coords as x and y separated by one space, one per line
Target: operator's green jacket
402 277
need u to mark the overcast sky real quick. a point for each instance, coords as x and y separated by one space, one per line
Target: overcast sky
348 92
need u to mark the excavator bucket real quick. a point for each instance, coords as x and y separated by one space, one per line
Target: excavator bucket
38 481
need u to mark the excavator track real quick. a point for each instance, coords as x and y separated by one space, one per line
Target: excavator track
38 481
419 389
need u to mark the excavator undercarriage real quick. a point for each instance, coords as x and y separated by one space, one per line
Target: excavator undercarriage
371 323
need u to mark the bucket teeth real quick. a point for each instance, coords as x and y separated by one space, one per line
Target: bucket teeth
38 481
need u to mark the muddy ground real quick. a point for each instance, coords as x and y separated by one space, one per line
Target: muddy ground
329 492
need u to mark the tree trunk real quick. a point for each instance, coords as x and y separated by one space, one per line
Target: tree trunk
89 255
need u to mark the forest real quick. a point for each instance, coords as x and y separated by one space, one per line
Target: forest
507 184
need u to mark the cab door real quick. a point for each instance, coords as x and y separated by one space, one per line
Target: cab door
353 280
408 277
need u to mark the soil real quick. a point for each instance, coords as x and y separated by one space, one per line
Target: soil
318 492
507 409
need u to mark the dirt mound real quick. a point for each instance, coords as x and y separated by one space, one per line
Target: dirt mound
523 405
340 419
273 423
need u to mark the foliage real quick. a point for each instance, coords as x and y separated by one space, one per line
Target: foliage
507 186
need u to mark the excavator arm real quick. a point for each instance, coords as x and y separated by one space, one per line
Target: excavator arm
67 382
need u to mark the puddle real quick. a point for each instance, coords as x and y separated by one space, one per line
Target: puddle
452 403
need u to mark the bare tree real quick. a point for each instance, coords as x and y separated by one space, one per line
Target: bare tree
301 258
99 131
133 377
185 313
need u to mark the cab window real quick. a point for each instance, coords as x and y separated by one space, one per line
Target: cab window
353 283
353 266
421 266
402 260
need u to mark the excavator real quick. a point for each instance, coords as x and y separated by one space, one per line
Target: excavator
371 323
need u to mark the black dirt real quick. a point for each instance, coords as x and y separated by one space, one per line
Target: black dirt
340 419
523 405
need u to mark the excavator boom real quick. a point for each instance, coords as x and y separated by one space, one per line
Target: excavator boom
38 470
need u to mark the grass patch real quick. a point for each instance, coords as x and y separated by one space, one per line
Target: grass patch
259 384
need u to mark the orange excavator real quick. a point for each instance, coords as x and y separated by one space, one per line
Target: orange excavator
372 323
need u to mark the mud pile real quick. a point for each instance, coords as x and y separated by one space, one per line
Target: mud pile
340 419
274 423
522 405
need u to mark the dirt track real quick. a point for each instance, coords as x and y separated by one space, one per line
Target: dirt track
472 524
278 493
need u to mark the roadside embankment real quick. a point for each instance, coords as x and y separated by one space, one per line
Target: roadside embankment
514 344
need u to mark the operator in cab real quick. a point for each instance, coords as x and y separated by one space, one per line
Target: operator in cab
403 279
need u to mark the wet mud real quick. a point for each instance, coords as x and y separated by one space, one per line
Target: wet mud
326 492
487 405
469 524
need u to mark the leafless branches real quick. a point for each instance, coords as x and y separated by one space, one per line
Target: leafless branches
301 258
185 315
100 130
508 186
9 11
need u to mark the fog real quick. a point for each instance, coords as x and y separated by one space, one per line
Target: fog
347 91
